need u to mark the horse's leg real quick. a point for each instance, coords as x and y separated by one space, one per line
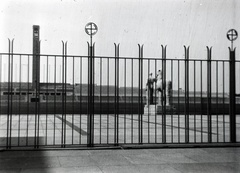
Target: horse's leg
167 97
147 97
159 98
163 97
169 92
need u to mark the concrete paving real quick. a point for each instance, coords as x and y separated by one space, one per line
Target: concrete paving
49 129
171 160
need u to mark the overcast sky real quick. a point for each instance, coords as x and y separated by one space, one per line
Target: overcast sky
198 23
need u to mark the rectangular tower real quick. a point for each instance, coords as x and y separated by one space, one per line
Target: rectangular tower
36 58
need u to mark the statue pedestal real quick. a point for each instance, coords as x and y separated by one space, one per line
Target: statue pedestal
157 109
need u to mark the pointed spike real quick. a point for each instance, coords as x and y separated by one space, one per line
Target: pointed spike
185 49
139 46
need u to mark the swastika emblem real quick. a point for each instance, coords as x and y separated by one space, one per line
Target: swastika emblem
232 35
91 28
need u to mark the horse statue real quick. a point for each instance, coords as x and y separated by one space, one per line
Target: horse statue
164 90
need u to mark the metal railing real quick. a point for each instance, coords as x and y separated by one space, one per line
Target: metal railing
101 101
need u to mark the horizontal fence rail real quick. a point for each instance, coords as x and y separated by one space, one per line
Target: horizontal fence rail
94 100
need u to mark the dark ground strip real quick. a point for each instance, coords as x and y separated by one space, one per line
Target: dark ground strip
82 132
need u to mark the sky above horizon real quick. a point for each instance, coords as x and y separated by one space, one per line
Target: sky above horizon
175 23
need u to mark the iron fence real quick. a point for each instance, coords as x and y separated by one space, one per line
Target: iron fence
101 101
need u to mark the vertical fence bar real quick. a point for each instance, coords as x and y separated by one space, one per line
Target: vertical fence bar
147 101
132 103
141 95
209 94
194 85
223 97
28 95
63 63
37 100
80 101
65 94
155 109
90 118
8 105
217 106
100 126
201 85
73 98
178 102
55 92
46 95
125 100
139 83
116 97
186 49
163 95
170 95
140 69
93 92
10 92
232 99
108 100
89 115
19 100
12 89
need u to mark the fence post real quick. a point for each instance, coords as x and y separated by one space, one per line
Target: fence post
186 50
140 100
64 81
163 99
10 87
90 118
209 93
232 95
116 98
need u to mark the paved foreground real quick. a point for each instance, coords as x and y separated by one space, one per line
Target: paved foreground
213 160
54 129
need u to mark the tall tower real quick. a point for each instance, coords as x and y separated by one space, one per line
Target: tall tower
36 58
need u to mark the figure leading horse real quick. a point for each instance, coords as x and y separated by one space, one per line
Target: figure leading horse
163 88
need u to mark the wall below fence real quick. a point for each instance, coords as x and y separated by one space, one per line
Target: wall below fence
109 108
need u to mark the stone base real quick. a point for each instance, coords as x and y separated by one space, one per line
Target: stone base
157 109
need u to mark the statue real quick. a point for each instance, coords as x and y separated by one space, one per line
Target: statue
160 87
149 89
164 93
